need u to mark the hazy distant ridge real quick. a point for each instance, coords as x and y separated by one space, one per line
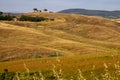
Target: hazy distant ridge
103 13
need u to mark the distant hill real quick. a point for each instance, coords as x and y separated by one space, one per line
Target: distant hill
106 14
12 13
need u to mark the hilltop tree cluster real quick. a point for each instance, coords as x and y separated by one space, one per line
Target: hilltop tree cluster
36 10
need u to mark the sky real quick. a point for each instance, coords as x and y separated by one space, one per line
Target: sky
57 5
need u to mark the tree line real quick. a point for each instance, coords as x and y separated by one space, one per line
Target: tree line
36 10
6 16
33 19
45 10
10 17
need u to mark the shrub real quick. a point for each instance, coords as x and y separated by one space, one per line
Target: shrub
52 19
54 54
33 19
1 12
9 18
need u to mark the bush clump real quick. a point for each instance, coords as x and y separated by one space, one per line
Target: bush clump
9 18
33 19
55 55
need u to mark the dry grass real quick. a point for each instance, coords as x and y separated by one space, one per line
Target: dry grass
81 62
117 20
68 65
69 34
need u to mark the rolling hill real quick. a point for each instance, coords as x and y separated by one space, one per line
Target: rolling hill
102 13
68 34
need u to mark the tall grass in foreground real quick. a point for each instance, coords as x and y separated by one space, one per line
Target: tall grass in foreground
57 74
108 72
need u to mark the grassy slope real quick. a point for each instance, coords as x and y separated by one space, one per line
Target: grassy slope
68 34
84 62
69 65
